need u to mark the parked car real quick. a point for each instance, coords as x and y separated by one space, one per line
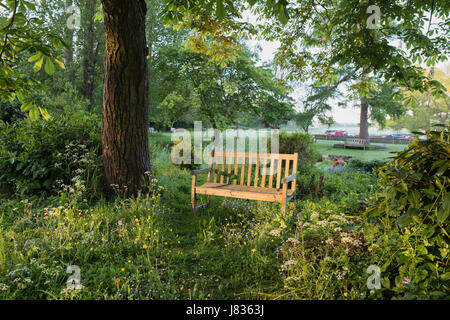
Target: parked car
336 133
342 133
398 136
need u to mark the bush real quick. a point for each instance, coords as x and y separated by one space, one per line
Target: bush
368 166
302 144
413 210
40 156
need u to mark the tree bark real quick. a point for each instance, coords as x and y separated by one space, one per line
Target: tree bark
125 96
363 120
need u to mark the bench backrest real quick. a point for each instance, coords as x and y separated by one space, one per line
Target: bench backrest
356 141
252 169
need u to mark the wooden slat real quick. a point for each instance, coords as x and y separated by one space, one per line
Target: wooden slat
294 170
272 165
286 169
216 169
256 172
209 166
236 168
249 174
230 160
223 169
279 163
242 172
263 178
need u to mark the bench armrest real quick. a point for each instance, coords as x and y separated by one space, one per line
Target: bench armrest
196 172
290 178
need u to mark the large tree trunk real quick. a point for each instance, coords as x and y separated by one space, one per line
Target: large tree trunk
125 96
363 120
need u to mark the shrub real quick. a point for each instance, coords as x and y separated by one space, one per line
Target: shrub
302 144
39 156
413 209
368 166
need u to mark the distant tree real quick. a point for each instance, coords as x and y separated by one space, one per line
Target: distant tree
424 108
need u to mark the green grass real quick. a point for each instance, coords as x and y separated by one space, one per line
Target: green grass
325 147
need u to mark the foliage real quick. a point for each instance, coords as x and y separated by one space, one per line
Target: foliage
22 33
424 108
414 208
40 156
368 166
302 144
385 100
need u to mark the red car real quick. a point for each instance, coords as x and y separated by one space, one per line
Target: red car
336 133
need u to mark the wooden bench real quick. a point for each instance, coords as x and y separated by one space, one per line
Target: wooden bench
250 176
356 143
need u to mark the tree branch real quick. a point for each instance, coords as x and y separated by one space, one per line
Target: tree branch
7 27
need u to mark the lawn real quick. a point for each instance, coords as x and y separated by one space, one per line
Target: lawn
325 147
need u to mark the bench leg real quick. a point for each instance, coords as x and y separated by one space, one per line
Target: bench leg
283 208
193 193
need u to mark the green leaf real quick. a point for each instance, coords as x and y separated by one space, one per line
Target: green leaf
44 113
30 6
98 16
34 113
20 96
57 44
24 107
60 63
35 57
442 214
282 14
49 67
38 65
404 220
220 9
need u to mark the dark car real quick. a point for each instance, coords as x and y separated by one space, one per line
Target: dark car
398 136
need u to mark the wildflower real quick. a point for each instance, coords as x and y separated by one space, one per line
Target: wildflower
253 250
144 246
406 281
345 294
123 269
288 264
314 216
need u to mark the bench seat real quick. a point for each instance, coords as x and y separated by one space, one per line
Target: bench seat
246 192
